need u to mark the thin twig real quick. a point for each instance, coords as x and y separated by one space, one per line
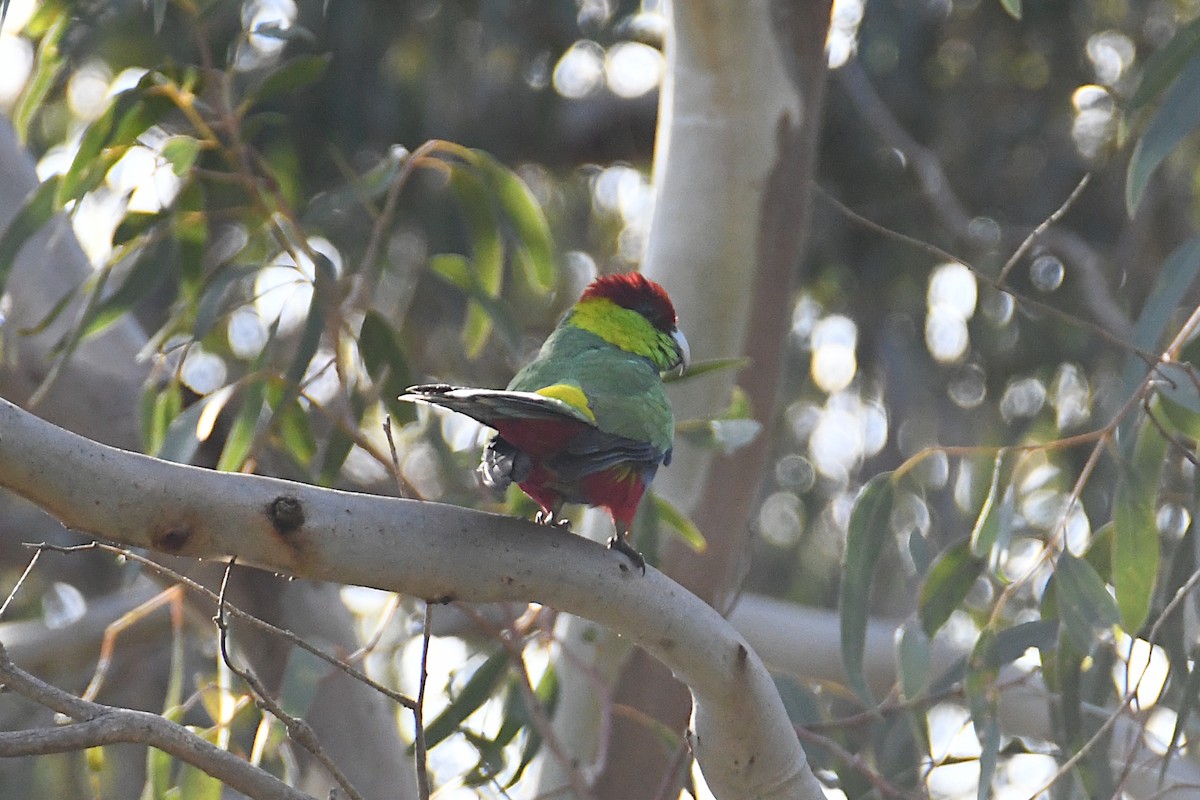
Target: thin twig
299 730
420 746
944 255
1033 236
236 612
108 642
21 580
881 785
396 474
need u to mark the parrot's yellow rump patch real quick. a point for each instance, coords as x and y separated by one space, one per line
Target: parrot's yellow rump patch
571 395
618 326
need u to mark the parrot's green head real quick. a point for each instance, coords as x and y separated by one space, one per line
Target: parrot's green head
633 313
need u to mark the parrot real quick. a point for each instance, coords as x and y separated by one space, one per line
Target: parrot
588 420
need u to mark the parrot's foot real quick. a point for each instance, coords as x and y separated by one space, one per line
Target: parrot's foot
621 544
551 519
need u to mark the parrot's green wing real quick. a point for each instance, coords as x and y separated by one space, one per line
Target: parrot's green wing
621 392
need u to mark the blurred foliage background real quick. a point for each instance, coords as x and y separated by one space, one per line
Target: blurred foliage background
310 205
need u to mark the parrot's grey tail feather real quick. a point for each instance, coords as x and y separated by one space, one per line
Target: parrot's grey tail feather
503 464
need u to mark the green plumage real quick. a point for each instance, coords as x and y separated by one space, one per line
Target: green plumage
623 390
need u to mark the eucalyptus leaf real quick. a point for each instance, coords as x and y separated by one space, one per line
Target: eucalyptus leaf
1165 64
947 583
679 522
290 76
1177 116
1135 543
479 688
867 533
38 209
1084 605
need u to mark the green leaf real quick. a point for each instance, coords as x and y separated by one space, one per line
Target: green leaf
677 521
328 206
987 728
179 442
109 137
547 693
135 224
226 291
159 10
479 689
1191 692
181 152
57 309
1011 643
336 450
1135 553
290 76
1175 277
38 209
147 274
48 66
190 226
314 323
452 268
1012 8
476 329
947 583
534 244
295 430
240 441
995 518
487 248
160 407
1178 383
384 357
1165 64
868 530
698 368
1178 116
912 655
1084 604
487 255
483 311
195 784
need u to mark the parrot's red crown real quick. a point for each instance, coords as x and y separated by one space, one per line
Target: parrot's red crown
638 293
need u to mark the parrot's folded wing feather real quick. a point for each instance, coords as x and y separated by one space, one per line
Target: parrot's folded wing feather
490 405
593 450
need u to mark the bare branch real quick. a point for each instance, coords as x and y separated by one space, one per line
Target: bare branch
99 725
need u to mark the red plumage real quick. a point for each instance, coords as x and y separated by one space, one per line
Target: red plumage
636 292
618 489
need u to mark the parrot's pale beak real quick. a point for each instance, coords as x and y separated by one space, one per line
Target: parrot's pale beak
685 352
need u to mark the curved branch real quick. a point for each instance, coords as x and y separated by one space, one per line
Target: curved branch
100 725
740 731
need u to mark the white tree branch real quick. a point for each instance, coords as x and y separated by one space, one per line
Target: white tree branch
740 731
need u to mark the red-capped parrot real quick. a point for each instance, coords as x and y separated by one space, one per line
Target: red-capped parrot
587 421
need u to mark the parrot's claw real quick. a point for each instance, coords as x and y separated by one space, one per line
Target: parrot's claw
550 519
622 545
